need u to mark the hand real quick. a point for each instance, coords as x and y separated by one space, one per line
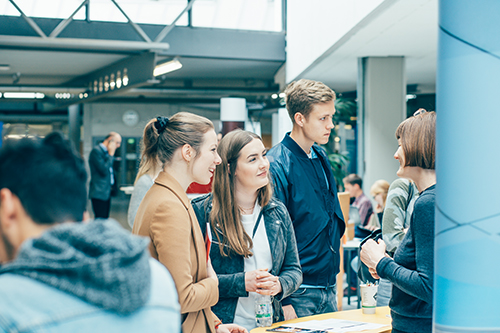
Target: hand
211 272
373 273
112 147
251 278
230 328
268 285
372 252
289 312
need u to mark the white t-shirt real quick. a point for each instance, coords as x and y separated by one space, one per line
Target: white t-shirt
245 309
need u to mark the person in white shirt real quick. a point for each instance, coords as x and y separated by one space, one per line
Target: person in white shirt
253 249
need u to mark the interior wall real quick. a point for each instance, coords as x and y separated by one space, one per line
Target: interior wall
314 26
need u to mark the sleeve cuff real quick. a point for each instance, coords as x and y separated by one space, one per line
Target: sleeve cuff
382 267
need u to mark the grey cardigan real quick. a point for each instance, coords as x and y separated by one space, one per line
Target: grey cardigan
230 270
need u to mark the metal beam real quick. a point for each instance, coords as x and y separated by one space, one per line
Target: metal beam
183 41
29 20
67 21
79 44
33 118
161 36
133 24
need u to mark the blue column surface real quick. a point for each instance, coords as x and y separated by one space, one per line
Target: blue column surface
1 130
467 247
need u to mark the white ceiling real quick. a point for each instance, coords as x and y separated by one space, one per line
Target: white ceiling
406 28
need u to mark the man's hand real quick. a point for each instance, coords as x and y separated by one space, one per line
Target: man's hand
289 312
230 328
112 147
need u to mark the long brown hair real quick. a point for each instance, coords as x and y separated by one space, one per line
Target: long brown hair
182 128
225 215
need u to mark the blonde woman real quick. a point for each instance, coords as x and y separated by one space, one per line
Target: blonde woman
186 146
254 249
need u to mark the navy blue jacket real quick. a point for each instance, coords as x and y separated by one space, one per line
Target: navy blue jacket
230 270
100 163
314 208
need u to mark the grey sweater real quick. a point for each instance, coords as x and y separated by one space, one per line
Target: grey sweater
412 270
141 187
98 262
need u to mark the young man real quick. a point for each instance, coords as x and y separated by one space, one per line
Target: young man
304 182
59 275
354 185
101 174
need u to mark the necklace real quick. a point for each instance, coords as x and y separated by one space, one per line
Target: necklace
246 210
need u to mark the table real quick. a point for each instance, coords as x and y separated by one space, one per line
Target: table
382 316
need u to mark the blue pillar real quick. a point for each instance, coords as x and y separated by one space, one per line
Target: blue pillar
467 262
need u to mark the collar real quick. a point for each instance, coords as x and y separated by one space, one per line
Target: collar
296 149
166 180
294 146
103 147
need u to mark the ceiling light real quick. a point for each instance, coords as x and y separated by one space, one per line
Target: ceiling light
25 95
125 77
167 67
282 95
118 80
411 96
4 67
274 96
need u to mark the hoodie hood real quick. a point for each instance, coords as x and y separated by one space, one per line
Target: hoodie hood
98 262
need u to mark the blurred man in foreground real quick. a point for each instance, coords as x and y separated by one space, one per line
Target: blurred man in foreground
61 275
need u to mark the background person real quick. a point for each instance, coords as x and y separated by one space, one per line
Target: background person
354 185
254 249
379 192
101 174
58 275
396 221
412 269
304 182
186 145
147 173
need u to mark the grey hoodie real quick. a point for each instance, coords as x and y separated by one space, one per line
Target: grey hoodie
98 262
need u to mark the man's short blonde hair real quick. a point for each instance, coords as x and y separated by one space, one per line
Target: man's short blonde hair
301 96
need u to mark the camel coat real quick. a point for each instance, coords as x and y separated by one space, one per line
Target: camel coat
167 217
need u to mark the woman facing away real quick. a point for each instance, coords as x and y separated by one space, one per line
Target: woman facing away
148 170
412 269
396 221
253 242
186 146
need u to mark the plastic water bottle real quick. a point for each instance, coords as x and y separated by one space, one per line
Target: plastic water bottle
263 311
